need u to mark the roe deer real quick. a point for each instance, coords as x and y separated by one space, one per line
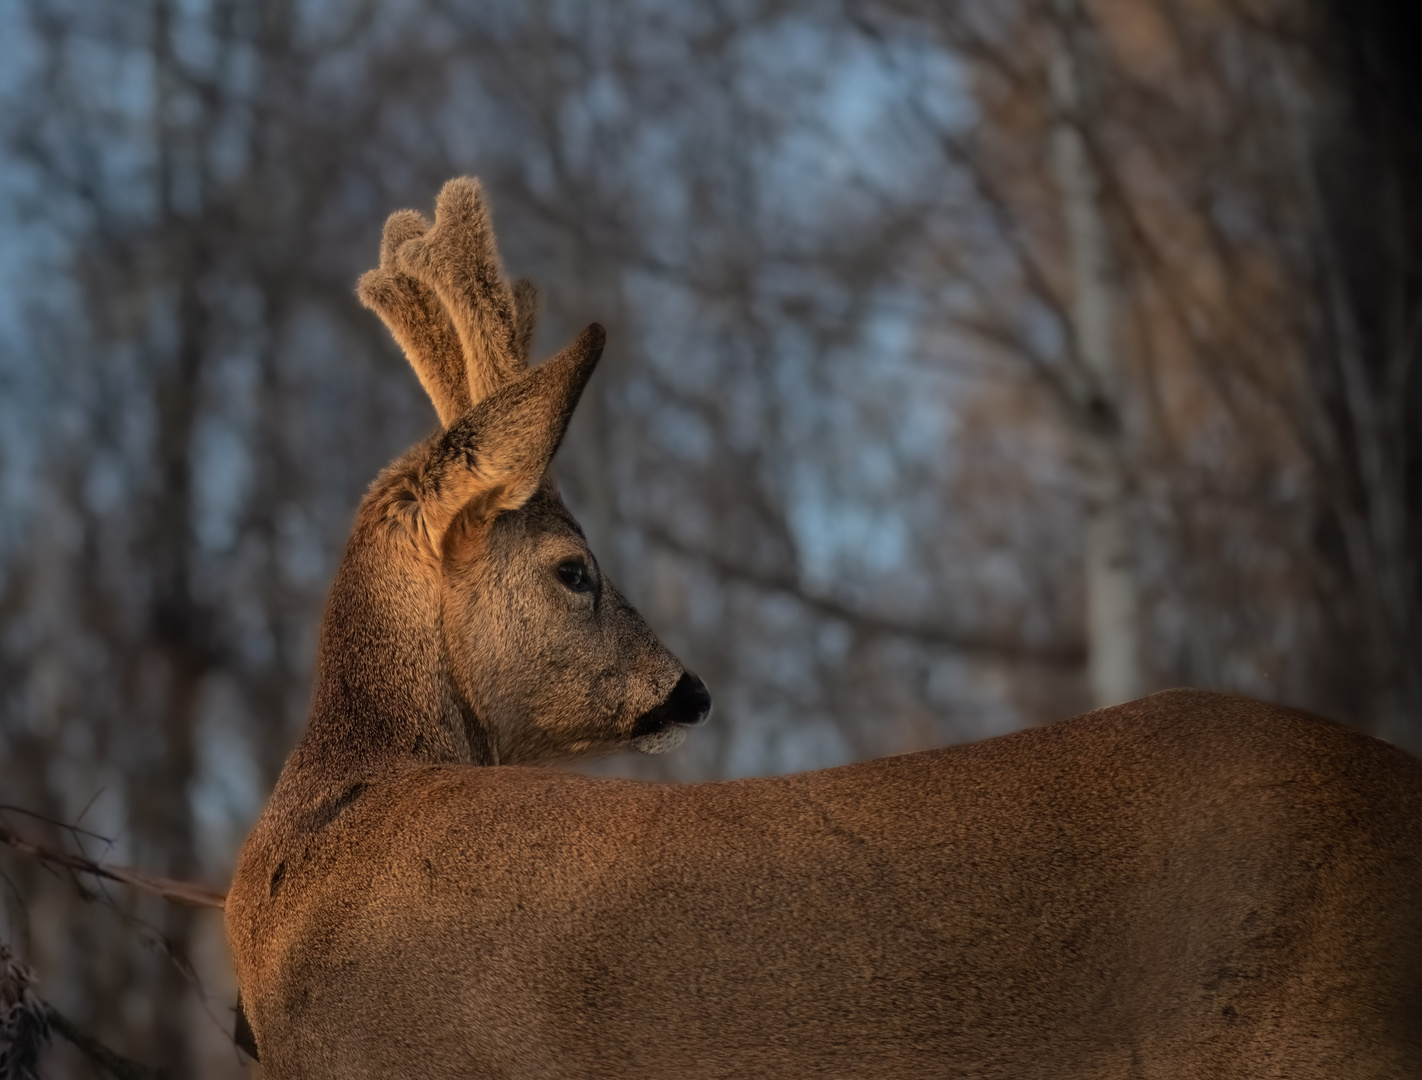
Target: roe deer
1190 885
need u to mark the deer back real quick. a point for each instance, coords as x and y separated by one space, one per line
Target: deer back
1190 885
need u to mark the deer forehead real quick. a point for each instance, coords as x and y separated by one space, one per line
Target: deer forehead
542 527
521 542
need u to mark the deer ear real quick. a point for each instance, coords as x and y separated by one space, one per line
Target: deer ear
496 454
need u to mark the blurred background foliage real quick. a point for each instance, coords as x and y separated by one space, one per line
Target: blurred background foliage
970 364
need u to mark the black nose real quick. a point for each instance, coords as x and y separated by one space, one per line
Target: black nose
690 699
689 704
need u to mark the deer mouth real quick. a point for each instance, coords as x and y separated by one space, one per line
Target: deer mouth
688 705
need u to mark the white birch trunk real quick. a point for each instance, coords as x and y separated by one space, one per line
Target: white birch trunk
1112 605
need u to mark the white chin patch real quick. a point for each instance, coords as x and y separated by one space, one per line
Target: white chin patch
661 742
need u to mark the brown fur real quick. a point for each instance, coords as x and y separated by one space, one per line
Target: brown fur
1191 885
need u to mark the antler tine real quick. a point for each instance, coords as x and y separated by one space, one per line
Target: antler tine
460 261
417 320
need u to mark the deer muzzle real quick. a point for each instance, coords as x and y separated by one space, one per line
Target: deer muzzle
688 705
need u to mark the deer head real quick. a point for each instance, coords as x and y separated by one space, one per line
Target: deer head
469 621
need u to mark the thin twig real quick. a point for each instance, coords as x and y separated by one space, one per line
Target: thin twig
179 892
114 1064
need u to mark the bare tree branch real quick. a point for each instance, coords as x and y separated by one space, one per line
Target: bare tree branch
1065 656
179 892
113 1064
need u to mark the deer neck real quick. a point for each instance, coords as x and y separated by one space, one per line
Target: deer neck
383 689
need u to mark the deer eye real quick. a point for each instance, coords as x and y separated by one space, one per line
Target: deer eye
575 575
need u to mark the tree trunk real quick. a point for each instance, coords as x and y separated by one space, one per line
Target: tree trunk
1112 603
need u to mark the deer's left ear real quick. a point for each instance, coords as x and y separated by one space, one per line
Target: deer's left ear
494 456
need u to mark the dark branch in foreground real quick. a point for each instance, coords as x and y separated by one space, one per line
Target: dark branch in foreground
28 1024
113 1064
180 892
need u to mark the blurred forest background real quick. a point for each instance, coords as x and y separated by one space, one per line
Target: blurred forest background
969 364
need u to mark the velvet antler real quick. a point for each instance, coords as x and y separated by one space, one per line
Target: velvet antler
441 291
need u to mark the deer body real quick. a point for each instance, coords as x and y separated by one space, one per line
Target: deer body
1191 885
